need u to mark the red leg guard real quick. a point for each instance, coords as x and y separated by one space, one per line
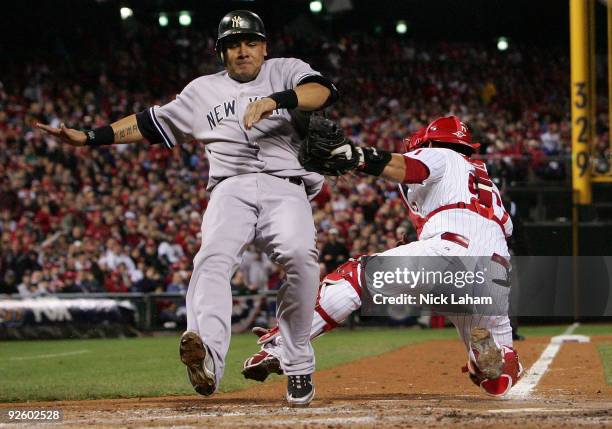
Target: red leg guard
348 271
331 323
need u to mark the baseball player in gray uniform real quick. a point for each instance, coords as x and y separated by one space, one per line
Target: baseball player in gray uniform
252 118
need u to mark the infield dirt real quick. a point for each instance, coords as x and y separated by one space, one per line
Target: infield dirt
415 386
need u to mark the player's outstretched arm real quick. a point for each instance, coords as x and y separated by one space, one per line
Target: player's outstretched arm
395 170
64 134
308 97
312 96
328 151
403 169
123 131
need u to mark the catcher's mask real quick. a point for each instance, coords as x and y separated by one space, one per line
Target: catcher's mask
238 22
416 140
448 131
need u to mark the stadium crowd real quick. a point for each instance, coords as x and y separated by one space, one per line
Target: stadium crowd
127 218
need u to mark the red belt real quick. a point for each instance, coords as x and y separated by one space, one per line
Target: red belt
500 260
456 238
486 212
465 242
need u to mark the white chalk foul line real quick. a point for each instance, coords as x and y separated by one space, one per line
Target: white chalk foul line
51 355
534 410
571 328
530 380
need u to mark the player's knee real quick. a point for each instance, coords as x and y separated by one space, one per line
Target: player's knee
348 272
295 256
214 263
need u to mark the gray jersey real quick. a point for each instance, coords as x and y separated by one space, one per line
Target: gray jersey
211 109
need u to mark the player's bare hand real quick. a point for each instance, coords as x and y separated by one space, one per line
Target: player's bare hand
258 110
66 135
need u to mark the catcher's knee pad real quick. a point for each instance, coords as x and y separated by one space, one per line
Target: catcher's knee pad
512 370
349 271
339 295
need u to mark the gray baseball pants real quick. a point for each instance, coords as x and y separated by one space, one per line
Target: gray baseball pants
276 215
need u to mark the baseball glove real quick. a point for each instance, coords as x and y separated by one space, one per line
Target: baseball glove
326 150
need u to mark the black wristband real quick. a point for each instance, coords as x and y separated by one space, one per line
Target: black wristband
100 136
285 99
375 160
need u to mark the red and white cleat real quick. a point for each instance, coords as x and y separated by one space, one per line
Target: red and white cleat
265 335
506 374
260 365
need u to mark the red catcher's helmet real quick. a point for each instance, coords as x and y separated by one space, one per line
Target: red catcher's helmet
450 130
416 140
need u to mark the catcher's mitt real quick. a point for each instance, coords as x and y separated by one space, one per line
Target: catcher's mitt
326 149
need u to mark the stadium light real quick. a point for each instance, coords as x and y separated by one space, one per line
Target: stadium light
401 27
163 20
126 12
316 6
185 18
502 44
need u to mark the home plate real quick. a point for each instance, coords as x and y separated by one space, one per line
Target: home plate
559 339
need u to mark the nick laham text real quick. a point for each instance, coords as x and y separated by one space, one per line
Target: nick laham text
431 299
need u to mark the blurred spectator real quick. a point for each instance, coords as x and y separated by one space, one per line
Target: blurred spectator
151 282
334 252
8 283
172 253
239 284
69 284
87 283
115 257
551 140
151 257
177 285
256 269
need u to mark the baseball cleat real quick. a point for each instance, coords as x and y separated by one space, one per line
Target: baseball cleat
512 372
200 366
300 390
265 335
260 365
489 358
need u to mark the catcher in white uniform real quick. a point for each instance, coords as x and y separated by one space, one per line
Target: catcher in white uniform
456 210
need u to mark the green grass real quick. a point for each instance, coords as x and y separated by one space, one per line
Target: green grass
552 330
594 329
605 352
150 366
541 331
139 367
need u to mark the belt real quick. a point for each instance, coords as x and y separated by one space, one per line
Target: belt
296 180
465 242
501 260
456 238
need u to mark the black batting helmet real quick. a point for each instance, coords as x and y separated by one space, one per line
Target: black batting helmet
239 22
